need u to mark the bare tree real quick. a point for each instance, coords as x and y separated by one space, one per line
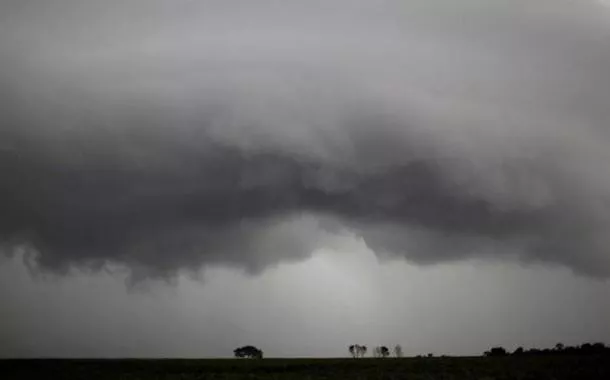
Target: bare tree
398 351
357 350
363 350
377 352
352 350
381 352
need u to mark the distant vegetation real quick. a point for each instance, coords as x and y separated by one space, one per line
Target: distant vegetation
381 352
357 351
398 351
559 349
248 352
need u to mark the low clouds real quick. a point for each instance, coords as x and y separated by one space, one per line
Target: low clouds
173 136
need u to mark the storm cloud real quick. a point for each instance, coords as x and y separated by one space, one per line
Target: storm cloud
171 135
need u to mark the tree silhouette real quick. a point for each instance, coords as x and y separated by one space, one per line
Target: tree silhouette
595 349
385 352
248 352
363 350
357 351
381 352
398 351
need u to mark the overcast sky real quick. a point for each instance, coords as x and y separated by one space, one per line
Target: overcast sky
183 177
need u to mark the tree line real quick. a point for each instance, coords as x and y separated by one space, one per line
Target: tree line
559 349
359 351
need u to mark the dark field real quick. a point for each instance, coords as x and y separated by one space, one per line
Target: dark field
552 367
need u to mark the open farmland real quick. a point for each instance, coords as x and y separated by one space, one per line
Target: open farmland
455 368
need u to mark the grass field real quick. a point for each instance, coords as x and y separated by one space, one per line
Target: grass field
551 367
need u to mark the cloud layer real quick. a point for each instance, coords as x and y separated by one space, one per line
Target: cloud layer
173 135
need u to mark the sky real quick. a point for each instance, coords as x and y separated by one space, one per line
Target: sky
183 177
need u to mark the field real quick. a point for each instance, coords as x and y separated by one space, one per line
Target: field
478 368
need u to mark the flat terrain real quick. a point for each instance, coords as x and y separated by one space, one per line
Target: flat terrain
548 367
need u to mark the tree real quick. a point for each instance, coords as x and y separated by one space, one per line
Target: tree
363 350
381 352
398 351
385 352
248 352
352 351
518 351
357 351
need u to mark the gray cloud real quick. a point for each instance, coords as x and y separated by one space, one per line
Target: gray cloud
169 136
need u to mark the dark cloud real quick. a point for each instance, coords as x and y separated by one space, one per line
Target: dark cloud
185 145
